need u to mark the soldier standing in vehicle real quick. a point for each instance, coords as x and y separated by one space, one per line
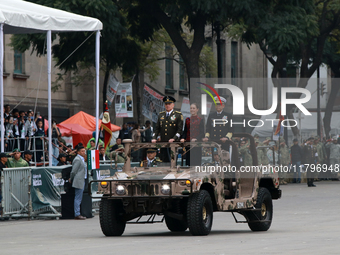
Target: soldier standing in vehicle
169 126
219 127
309 152
245 153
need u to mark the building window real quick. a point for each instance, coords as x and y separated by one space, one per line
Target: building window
168 67
182 76
233 63
18 62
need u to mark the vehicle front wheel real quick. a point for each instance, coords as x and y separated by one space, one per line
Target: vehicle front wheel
265 214
111 216
200 213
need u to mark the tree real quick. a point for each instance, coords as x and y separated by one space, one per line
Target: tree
331 57
117 49
289 29
178 18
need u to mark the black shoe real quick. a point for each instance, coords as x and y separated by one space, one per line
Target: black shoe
312 185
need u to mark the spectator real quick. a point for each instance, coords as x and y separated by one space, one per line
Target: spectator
124 132
15 113
30 128
88 146
9 131
39 134
28 155
118 142
102 154
22 130
17 161
92 145
147 136
136 138
7 112
297 156
62 159
193 132
3 161
55 147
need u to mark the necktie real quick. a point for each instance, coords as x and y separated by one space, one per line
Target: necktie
167 114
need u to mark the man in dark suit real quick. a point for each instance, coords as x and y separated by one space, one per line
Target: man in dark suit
218 127
169 126
78 176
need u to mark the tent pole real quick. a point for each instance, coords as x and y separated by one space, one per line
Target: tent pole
49 61
97 83
2 86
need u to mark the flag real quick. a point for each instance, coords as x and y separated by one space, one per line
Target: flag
279 129
106 126
92 159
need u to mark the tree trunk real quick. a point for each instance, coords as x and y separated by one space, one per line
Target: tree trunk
330 104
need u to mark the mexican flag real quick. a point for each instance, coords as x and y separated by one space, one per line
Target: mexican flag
92 159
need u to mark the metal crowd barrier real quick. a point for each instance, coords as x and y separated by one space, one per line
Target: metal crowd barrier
17 187
27 144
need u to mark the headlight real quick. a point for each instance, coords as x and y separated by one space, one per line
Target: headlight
165 189
103 184
188 183
120 190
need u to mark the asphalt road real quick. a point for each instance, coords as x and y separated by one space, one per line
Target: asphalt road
306 221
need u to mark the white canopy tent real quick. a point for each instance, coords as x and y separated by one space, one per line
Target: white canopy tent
20 17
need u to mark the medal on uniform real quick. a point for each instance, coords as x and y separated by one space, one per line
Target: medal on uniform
173 117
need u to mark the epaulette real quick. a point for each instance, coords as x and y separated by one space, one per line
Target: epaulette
162 112
178 112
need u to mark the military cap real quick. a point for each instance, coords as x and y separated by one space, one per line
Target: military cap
310 138
295 140
218 101
16 150
3 155
169 99
272 143
62 155
151 150
317 137
257 140
28 152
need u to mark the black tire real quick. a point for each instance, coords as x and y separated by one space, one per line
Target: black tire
264 202
111 216
200 213
175 225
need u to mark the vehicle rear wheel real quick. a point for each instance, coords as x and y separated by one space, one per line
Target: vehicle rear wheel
264 202
175 225
111 216
200 213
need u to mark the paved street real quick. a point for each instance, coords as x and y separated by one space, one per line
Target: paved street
306 221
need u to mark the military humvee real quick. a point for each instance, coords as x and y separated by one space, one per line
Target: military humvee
185 197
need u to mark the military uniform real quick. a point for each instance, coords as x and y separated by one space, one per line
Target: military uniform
169 125
221 128
11 163
150 163
246 155
309 158
334 157
118 157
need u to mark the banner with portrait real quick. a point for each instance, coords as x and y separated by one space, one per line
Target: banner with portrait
152 103
123 101
112 87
